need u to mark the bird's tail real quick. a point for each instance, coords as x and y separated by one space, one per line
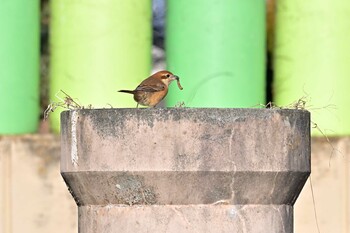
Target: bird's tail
127 91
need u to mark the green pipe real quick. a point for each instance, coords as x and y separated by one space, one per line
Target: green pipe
218 50
19 72
98 48
311 60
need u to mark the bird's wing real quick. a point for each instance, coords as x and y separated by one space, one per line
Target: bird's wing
151 87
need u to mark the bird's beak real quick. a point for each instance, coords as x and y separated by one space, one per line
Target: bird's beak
175 77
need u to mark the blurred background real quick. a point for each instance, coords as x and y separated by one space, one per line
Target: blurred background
228 54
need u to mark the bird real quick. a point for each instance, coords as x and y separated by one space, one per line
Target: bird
153 89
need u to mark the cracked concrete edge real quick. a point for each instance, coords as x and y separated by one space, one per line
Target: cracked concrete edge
186 140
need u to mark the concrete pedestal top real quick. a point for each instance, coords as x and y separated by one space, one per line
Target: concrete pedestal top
199 170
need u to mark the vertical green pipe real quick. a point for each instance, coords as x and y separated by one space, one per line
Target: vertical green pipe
312 57
218 50
98 48
19 69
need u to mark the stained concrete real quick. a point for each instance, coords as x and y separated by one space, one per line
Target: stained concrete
146 162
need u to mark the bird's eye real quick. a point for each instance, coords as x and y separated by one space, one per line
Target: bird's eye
168 75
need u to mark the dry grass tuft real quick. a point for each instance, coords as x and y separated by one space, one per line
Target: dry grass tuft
66 102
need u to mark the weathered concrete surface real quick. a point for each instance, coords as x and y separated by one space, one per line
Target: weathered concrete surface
331 189
192 157
33 196
184 188
187 218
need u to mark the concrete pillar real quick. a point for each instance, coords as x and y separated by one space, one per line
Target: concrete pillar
185 170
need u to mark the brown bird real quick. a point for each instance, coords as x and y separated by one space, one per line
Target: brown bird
153 89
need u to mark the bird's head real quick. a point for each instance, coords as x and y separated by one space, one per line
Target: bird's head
165 76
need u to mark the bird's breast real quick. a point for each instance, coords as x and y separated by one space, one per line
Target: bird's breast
150 98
